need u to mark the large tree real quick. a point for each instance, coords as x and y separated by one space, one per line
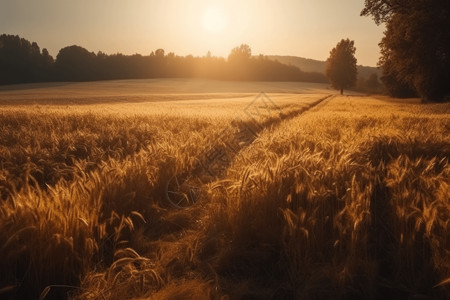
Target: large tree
240 54
240 63
75 63
22 61
415 50
341 65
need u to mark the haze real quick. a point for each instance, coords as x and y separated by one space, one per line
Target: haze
285 27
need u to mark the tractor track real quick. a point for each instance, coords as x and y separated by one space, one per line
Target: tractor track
183 190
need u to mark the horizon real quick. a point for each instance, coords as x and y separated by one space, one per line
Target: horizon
217 149
302 29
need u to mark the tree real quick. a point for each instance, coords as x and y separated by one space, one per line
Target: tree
341 65
240 63
240 54
46 66
159 53
22 61
75 63
415 50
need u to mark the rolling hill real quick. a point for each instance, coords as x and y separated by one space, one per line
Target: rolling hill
312 65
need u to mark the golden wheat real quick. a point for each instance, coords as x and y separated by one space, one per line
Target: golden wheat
330 197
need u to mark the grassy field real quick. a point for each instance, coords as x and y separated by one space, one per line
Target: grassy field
196 189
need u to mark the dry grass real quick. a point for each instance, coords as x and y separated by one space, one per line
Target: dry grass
349 199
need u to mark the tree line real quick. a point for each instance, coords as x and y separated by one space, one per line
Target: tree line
415 49
22 61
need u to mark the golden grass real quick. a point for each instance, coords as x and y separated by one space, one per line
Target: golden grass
349 199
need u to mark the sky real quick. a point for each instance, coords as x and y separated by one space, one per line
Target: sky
306 28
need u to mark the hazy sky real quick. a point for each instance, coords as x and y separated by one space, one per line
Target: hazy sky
307 28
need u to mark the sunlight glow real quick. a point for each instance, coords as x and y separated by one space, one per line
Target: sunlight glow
214 19
305 28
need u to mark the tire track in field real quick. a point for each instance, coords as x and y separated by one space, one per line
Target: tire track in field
181 223
183 190
299 112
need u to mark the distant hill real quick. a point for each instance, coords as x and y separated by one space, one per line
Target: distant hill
312 65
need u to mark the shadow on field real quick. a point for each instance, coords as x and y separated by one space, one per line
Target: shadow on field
405 236
33 86
95 99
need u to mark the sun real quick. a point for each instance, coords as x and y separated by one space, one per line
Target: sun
214 19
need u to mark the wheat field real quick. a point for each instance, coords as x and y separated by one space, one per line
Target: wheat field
197 189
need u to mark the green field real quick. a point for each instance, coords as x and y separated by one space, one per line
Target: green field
202 189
